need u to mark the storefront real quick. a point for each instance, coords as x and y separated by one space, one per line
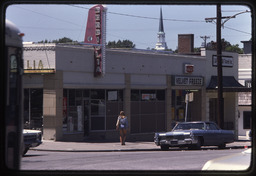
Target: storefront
155 90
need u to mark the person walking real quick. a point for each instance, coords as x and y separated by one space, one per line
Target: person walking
122 125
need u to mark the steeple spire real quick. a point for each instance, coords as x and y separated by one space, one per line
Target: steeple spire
161 44
161 24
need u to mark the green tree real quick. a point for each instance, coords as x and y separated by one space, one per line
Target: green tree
121 44
226 46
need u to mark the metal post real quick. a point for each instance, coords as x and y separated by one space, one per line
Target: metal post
187 101
219 59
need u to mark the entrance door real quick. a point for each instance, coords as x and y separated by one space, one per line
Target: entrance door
86 114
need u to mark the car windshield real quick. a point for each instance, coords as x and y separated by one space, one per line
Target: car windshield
189 126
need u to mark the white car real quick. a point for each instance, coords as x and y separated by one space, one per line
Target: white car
32 138
236 162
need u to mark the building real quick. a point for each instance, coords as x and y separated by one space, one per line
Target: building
161 44
149 86
245 98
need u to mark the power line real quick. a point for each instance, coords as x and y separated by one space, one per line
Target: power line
145 17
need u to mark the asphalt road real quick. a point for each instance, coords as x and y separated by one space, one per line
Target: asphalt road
147 160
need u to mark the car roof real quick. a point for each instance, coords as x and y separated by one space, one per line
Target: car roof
195 122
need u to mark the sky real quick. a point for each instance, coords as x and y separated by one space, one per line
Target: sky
138 23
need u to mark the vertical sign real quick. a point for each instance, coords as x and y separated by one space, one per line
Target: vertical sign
96 35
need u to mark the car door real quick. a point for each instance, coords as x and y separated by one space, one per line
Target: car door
212 134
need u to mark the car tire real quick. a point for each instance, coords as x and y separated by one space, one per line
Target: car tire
196 146
164 147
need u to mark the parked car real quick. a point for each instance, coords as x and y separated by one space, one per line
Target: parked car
240 161
32 138
194 135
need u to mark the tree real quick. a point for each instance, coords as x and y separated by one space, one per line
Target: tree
121 44
61 40
226 46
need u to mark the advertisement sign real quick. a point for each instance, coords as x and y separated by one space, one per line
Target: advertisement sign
227 61
96 35
187 81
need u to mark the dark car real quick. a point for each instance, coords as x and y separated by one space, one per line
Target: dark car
32 138
194 135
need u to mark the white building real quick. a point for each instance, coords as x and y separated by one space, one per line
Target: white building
245 98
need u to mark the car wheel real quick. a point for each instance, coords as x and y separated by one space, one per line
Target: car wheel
165 147
198 145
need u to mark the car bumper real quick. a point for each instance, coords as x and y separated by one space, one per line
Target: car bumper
175 142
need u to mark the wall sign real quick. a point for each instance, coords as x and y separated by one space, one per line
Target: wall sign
188 68
187 81
96 36
227 61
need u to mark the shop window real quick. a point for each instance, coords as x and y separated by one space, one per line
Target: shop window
247 119
135 95
33 108
147 111
98 94
71 97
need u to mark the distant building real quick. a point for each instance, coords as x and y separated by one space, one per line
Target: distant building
161 44
245 98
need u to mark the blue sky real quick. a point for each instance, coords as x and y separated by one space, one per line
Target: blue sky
40 22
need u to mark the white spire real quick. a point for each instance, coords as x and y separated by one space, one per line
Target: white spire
161 44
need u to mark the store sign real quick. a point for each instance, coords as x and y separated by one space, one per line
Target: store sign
37 66
187 81
227 61
189 68
96 35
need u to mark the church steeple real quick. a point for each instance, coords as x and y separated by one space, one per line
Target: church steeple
161 44
161 24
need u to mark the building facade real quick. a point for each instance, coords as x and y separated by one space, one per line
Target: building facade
150 87
245 98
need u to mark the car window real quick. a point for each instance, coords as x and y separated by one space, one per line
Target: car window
211 126
189 126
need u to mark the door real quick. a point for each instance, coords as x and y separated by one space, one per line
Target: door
86 114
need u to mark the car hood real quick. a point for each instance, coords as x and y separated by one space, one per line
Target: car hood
239 161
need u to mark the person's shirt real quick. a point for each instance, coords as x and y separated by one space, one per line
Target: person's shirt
123 122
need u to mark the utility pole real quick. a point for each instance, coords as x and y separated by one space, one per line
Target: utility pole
219 67
218 19
205 38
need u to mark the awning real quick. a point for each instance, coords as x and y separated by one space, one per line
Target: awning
230 84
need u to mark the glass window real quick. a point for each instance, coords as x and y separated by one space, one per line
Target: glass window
97 94
160 94
135 95
71 97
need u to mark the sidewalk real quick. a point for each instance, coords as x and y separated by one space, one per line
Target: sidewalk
115 146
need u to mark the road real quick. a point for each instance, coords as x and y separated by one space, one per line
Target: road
145 160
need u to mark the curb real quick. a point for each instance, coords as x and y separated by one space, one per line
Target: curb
134 150
104 150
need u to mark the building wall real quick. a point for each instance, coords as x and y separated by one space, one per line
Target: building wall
127 70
